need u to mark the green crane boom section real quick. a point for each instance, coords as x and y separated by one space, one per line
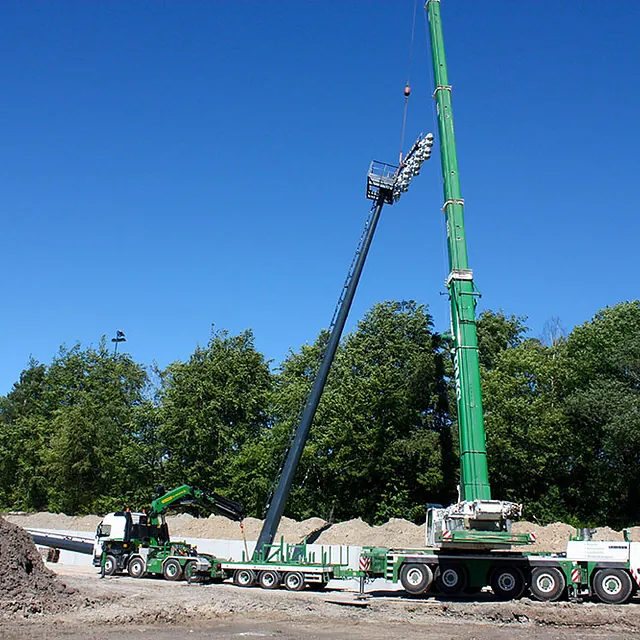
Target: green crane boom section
474 477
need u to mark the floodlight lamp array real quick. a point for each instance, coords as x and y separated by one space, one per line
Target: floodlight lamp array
411 165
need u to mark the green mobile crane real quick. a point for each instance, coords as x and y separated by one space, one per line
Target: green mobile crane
475 519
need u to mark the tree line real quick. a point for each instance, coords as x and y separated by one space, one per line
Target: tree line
93 431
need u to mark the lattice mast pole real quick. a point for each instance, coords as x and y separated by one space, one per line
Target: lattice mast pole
474 477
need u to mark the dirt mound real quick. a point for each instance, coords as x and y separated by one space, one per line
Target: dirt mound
221 528
26 585
59 521
552 537
356 532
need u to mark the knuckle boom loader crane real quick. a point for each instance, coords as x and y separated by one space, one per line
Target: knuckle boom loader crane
470 544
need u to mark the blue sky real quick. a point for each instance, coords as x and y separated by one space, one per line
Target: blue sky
169 165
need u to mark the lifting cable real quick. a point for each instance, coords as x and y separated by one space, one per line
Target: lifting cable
407 87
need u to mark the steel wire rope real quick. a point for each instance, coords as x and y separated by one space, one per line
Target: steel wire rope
407 88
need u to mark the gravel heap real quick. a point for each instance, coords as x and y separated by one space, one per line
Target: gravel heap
26 586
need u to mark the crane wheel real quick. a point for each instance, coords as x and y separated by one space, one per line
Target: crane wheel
294 581
244 578
172 570
507 583
416 578
451 579
547 584
136 567
613 586
269 579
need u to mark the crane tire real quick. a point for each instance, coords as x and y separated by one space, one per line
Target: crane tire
136 567
451 579
172 570
416 577
244 577
507 583
547 584
613 586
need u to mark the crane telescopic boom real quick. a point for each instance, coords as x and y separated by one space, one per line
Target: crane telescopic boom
475 520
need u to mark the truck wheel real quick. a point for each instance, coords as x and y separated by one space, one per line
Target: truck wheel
136 567
172 570
294 581
451 579
507 583
416 578
244 577
189 571
110 565
547 583
613 586
269 579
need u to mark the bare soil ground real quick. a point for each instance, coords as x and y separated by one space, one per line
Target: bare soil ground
111 607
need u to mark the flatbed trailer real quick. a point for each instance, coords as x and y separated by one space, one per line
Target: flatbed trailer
292 566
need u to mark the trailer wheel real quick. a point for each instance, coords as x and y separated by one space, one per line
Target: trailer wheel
507 583
547 583
136 567
244 577
294 581
172 570
189 570
269 579
613 586
451 579
416 578
110 565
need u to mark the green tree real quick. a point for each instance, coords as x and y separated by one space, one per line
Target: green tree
375 448
212 406
528 436
70 428
497 332
603 407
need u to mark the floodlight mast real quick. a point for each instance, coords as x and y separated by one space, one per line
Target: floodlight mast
385 185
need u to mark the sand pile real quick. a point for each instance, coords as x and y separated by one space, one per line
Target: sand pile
552 537
395 533
26 585
221 528
59 521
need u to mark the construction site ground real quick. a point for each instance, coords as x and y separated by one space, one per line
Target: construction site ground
71 601
108 608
